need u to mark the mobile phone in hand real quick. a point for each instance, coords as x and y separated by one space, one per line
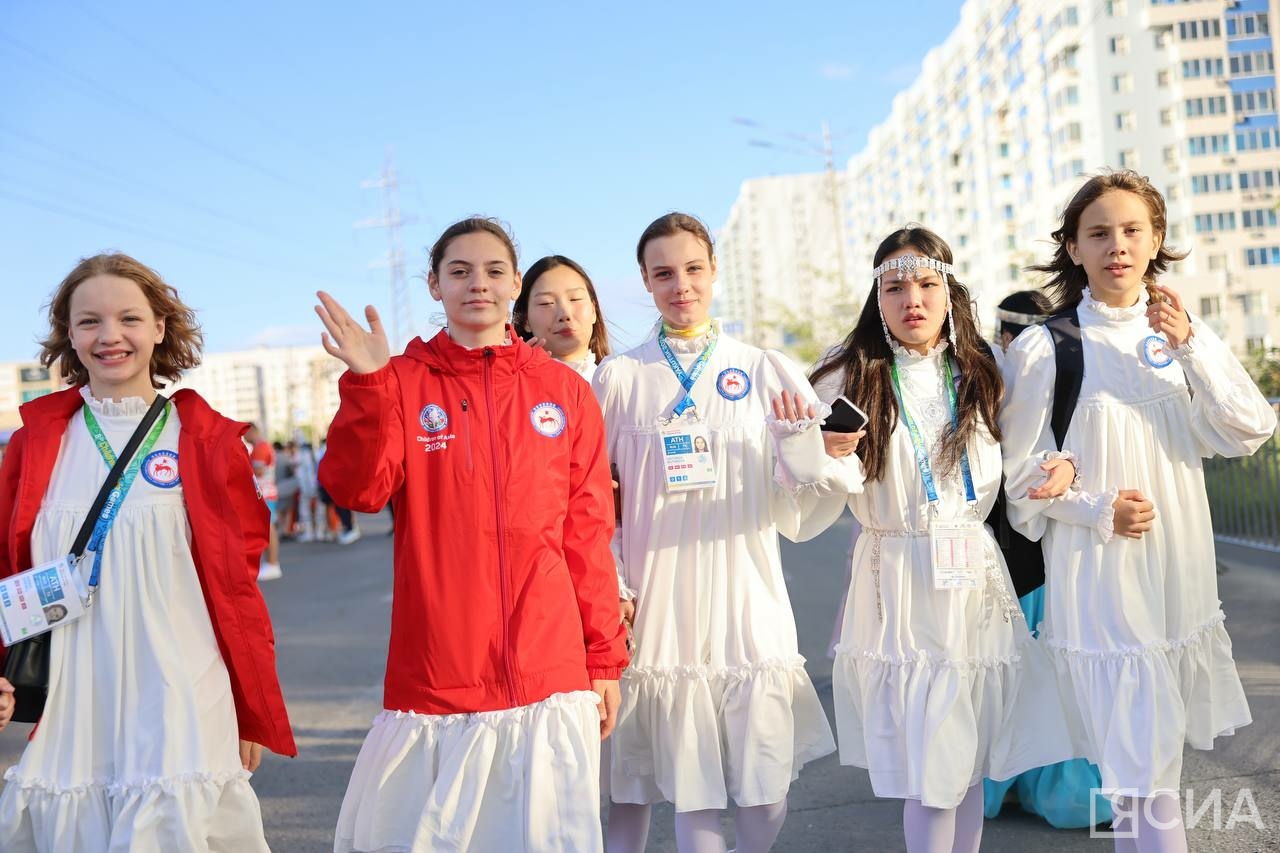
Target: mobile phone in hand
845 417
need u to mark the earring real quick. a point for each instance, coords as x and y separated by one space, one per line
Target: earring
951 323
888 338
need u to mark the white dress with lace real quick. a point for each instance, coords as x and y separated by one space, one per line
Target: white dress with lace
1134 627
138 748
935 689
716 704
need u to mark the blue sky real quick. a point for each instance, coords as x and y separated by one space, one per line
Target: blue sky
224 144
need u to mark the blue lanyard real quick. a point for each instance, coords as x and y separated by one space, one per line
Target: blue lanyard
687 380
917 441
116 497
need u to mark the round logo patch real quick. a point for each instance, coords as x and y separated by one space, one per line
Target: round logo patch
433 418
1155 351
733 384
548 419
160 469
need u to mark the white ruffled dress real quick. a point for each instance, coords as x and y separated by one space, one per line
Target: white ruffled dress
935 689
522 779
1134 627
138 748
716 704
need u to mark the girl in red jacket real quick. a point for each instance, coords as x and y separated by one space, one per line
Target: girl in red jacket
506 644
163 693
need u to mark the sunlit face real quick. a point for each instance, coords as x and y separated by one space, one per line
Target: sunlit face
476 282
679 271
561 313
914 308
114 331
1115 244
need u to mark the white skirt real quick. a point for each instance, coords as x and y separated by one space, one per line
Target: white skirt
523 779
697 736
937 689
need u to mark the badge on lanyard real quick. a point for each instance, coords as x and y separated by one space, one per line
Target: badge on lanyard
685 439
41 599
959 554
957 547
686 455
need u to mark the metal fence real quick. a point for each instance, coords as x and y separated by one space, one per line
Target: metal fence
1244 496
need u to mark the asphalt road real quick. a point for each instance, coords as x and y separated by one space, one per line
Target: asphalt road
331 611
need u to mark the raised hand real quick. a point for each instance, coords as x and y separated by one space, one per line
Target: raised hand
1170 317
790 407
362 351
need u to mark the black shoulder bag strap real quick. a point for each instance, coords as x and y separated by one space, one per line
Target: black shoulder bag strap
1069 356
26 664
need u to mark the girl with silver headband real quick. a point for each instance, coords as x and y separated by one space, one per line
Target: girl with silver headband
937 680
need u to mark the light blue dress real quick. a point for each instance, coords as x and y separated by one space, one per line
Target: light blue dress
1060 792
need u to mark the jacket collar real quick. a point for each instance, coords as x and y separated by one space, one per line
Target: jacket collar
46 417
443 354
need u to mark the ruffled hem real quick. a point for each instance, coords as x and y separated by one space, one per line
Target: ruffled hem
698 736
125 407
927 659
522 779
781 428
904 354
1135 708
200 811
928 728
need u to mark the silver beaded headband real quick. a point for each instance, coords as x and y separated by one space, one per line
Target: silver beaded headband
909 267
1020 319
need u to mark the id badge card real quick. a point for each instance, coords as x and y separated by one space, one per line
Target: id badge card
41 599
686 456
959 554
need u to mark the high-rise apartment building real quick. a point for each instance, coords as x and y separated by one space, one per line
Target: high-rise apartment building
781 258
1023 98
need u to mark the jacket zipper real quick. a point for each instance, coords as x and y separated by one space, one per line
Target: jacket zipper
466 432
508 658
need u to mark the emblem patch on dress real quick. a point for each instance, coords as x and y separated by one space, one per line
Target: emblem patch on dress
160 469
1155 351
548 419
733 383
433 418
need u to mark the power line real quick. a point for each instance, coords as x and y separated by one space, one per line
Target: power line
85 83
115 224
195 79
103 172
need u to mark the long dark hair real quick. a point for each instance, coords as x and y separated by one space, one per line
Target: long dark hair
1067 281
865 358
599 343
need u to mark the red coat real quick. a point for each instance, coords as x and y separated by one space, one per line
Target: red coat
494 460
228 533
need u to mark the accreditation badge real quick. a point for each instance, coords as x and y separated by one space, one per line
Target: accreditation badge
959 554
686 456
41 599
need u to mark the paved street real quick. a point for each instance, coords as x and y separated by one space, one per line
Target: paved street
332 681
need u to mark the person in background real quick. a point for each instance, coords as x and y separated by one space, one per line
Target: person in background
263 458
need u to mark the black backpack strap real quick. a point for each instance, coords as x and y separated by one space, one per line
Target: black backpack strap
1069 356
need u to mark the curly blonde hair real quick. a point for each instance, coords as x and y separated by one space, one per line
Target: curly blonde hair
180 349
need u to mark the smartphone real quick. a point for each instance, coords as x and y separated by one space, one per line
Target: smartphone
845 417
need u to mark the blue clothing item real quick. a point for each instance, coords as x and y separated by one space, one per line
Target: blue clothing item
1060 792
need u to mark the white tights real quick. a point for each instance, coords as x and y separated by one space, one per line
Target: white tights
756 828
1155 823
957 830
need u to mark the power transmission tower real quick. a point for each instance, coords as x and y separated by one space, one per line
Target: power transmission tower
392 221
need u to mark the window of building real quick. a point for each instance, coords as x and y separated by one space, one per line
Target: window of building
1122 83
1128 158
1263 217
1117 8
1166 116
1118 45
1125 120
1217 263
1262 256
1210 306
1251 103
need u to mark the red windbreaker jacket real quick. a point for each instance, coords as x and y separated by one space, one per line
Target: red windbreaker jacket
494 460
228 532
